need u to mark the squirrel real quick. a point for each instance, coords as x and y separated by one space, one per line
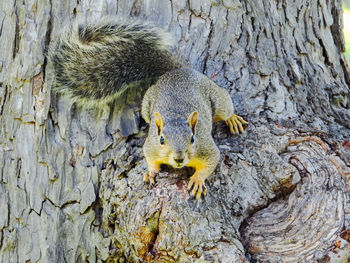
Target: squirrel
94 64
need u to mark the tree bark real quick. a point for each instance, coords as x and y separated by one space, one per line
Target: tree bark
71 186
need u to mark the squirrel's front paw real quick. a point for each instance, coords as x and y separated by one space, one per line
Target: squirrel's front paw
149 176
236 123
197 185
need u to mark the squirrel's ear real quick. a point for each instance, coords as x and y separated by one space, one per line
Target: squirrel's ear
159 122
192 120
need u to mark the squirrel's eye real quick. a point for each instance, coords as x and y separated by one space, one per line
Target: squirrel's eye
162 141
192 139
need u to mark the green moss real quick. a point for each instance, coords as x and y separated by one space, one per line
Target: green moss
152 223
215 3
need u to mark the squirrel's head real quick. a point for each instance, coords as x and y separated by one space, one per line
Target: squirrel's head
177 139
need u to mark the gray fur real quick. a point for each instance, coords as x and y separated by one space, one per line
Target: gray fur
95 63
175 96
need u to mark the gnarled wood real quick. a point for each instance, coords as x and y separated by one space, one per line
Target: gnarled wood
305 224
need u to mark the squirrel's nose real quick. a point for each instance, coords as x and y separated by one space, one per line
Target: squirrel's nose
179 161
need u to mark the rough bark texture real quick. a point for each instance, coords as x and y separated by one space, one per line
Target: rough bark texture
71 186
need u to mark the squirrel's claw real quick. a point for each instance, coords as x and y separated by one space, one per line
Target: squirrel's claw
146 177
149 177
197 185
235 123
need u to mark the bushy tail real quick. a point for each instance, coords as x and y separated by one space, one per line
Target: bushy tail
97 62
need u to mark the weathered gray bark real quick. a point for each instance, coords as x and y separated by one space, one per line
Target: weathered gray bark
71 186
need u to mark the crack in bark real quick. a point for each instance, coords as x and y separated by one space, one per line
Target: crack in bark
1 27
148 237
16 39
3 101
324 52
336 28
207 47
346 71
47 39
136 8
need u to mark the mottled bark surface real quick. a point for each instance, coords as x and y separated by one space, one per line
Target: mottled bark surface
71 186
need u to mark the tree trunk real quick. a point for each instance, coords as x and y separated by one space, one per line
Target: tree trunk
71 186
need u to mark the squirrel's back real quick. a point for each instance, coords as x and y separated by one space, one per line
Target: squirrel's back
178 93
97 62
